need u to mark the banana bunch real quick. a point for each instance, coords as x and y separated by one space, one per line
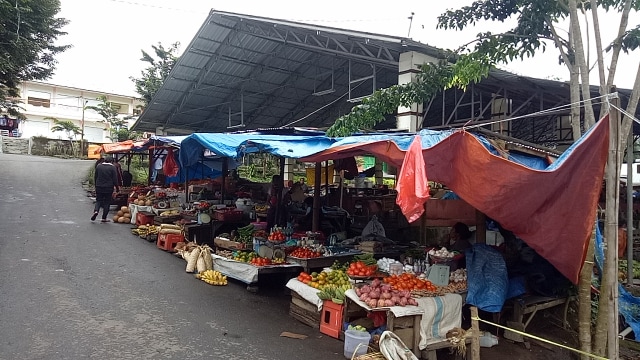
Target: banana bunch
212 277
333 293
246 233
145 230
170 213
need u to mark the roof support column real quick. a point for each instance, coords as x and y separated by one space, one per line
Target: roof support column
408 68
289 165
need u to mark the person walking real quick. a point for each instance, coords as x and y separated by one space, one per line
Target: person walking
105 179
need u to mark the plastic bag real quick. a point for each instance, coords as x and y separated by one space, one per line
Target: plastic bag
413 188
374 227
392 347
170 167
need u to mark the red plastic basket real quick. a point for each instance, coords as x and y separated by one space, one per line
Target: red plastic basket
227 215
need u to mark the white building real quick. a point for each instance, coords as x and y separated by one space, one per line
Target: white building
42 102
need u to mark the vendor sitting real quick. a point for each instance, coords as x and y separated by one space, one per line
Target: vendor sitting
460 237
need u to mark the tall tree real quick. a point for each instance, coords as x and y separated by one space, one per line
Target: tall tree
110 116
159 67
28 31
68 127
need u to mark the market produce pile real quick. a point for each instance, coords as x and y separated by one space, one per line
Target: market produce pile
144 231
212 277
364 265
326 279
305 253
123 216
378 295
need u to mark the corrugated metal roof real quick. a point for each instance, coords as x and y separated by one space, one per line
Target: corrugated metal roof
279 73
268 70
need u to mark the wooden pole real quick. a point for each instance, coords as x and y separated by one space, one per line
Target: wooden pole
151 159
611 232
279 207
475 335
481 228
630 160
223 189
316 197
326 179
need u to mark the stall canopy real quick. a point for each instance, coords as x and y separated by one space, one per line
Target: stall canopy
120 147
550 207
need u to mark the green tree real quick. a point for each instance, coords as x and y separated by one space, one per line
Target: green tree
159 67
110 116
538 23
432 79
28 31
68 127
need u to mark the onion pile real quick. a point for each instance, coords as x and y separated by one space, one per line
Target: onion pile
378 295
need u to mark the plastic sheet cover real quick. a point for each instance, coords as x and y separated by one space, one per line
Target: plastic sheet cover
550 209
628 305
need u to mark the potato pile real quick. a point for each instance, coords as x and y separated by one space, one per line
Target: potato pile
144 200
123 216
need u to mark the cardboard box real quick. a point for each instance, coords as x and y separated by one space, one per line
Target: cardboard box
230 245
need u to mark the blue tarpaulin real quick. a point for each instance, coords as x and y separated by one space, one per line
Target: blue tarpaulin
233 145
628 305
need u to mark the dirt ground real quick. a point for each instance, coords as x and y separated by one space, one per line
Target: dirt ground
545 325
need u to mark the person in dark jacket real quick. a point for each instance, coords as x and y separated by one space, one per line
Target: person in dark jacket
105 179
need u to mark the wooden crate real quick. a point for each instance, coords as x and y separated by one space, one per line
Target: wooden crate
304 311
407 328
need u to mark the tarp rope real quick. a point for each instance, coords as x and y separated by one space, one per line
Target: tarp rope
626 113
541 339
546 111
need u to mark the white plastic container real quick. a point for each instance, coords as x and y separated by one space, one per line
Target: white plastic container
488 340
352 340
246 205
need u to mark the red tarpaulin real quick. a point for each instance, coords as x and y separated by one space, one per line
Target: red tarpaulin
553 211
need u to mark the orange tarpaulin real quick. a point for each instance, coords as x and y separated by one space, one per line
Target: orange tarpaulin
119 147
552 210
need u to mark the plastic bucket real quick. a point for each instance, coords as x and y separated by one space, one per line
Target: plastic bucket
353 338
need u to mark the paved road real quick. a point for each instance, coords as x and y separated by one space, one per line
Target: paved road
74 289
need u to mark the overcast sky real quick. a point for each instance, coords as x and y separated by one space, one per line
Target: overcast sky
107 35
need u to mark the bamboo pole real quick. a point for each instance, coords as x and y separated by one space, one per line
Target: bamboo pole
475 339
611 233
630 159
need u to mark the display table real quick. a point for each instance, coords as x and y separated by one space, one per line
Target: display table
306 292
248 273
429 321
322 262
134 209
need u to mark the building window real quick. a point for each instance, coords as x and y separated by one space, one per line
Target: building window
120 108
39 102
137 112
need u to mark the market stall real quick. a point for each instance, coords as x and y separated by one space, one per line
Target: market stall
249 273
